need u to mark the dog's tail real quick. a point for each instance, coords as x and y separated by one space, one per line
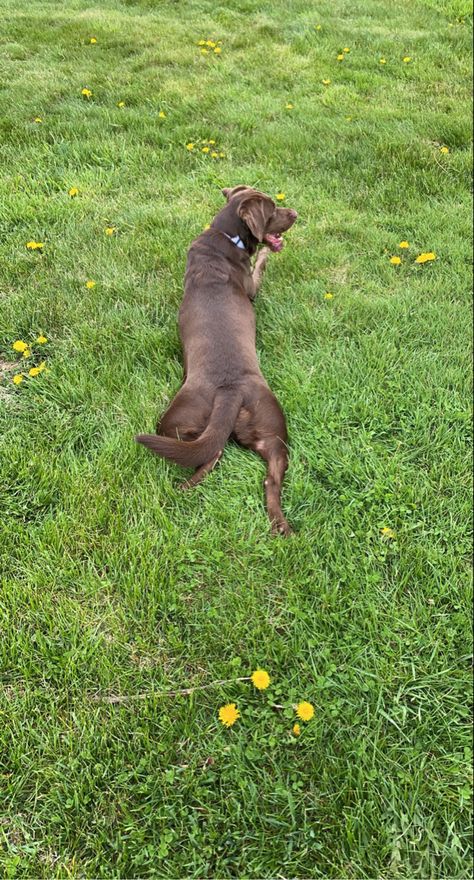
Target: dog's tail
192 453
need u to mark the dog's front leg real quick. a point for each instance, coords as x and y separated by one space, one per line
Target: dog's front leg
259 269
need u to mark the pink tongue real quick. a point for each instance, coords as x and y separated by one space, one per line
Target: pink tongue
274 243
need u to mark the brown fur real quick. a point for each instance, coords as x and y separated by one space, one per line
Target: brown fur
224 393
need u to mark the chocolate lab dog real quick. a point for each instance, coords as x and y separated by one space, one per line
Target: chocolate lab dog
224 393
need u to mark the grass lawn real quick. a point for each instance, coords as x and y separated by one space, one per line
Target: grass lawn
114 584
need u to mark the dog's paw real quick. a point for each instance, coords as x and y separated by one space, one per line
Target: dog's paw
282 528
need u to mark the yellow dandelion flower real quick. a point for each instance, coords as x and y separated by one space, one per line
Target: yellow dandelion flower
87 93
328 296
93 41
190 147
297 729
90 284
382 61
218 50
404 244
289 106
19 345
205 150
121 104
27 353
34 371
207 226
318 27
17 379
204 51
305 711
109 230
395 261
211 142
280 197
38 119
161 115
406 59
201 43
444 150
426 258
260 679
387 533
34 245
326 82
215 155
228 714
346 49
73 191
340 57
221 155
41 339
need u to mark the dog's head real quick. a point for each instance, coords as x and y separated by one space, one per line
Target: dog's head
258 211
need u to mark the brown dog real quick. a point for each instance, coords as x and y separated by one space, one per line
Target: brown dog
224 393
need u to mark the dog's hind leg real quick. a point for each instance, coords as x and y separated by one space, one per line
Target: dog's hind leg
201 472
274 452
186 416
261 427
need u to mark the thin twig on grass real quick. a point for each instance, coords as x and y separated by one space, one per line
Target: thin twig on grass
115 698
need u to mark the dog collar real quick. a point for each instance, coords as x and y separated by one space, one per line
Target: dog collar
237 241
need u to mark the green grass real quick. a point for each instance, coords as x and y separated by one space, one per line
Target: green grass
116 583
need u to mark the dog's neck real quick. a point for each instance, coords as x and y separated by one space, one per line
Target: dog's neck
236 239
233 227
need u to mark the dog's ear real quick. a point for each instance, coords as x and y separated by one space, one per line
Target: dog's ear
230 191
256 212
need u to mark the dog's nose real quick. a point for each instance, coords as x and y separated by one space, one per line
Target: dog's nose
293 214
